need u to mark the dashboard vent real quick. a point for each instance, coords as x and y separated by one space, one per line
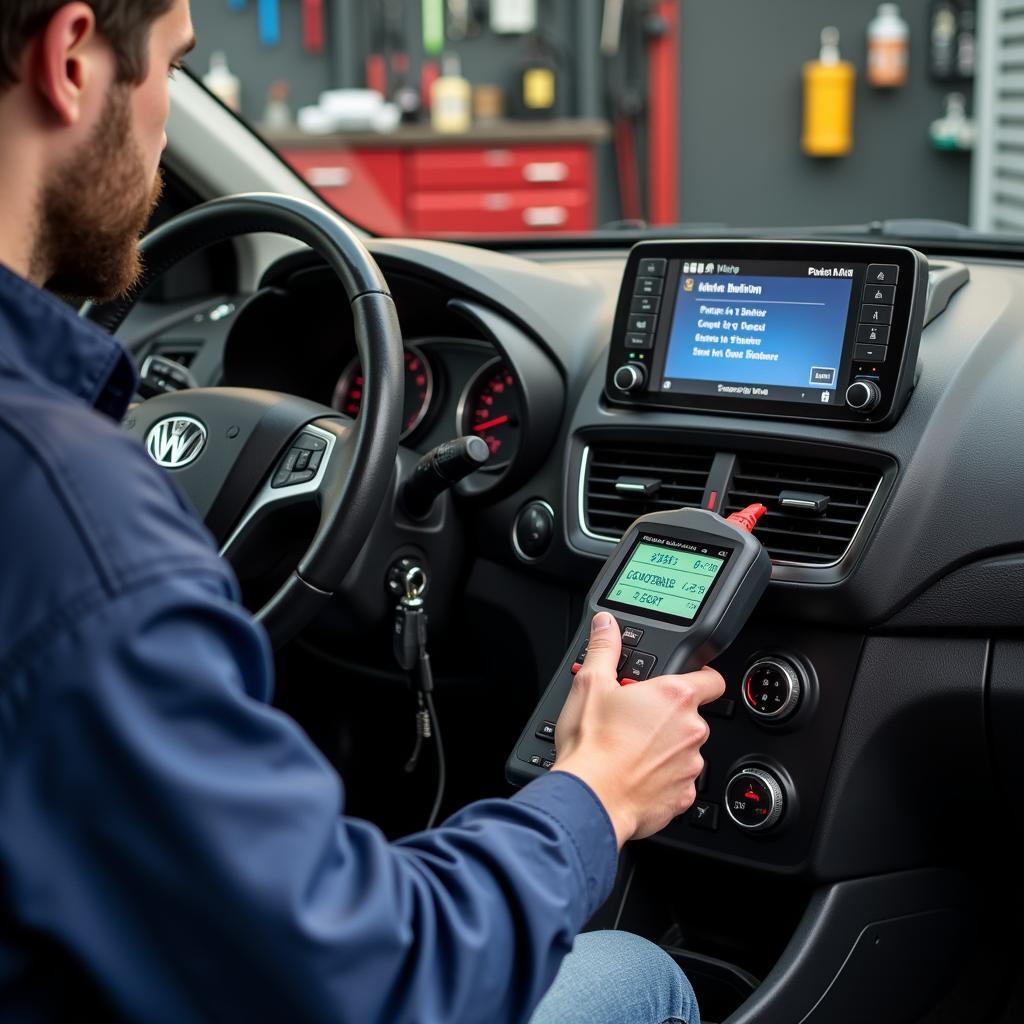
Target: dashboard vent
805 537
628 480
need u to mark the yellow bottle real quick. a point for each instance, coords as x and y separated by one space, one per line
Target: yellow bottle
828 100
451 99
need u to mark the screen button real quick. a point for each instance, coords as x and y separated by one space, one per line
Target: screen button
639 667
870 353
642 324
639 342
653 268
646 304
822 376
649 286
884 293
869 334
631 636
883 273
876 314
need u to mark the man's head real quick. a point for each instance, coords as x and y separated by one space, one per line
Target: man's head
84 100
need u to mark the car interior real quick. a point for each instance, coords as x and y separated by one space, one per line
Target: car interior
852 851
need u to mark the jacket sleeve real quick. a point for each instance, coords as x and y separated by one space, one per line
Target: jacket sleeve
186 843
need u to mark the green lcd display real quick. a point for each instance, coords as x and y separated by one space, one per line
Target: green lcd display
666 581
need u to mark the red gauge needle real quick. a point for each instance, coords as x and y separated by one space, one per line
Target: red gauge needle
490 423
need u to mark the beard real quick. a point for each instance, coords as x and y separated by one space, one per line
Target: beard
93 211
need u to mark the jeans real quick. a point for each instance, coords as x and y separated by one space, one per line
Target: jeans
618 978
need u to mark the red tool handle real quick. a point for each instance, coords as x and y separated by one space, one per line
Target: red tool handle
313 25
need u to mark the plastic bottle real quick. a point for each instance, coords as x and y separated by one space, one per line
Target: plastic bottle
943 26
888 48
954 130
227 87
451 98
828 100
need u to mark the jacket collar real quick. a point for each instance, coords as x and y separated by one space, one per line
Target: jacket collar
45 339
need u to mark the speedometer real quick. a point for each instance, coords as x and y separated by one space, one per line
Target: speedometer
491 408
419 390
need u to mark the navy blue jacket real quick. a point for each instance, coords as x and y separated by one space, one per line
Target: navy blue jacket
171 847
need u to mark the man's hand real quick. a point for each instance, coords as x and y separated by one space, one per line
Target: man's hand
637 747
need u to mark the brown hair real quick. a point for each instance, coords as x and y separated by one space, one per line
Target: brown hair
125 24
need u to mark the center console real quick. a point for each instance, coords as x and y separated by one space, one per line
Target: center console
812 331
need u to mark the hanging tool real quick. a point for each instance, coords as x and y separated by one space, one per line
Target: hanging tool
628 100
236 5
269 13
433 27
313 26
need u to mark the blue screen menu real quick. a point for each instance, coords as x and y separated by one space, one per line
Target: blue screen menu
768 331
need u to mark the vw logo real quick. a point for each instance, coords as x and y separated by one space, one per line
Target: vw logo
176 441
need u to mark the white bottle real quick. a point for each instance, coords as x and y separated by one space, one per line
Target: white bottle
451 99
227 87
888 48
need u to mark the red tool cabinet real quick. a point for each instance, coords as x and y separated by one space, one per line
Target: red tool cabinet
517 177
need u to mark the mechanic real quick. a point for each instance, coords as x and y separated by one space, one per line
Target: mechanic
173 848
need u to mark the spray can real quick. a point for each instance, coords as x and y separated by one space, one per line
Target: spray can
828 100
888 48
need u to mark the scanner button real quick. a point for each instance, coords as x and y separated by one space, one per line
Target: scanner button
576 666
631 636
546 731
640 666
547 764
623 658
536 760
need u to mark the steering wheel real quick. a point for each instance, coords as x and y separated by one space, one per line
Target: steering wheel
238 452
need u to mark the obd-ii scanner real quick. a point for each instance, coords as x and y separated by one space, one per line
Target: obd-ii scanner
681 584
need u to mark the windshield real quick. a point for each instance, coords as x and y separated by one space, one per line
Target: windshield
477 118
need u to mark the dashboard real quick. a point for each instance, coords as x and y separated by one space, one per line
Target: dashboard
897 595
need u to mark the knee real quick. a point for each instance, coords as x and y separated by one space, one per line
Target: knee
658 984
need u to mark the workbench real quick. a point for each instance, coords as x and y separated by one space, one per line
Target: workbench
506 177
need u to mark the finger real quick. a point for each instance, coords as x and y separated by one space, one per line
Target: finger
709 685
604 647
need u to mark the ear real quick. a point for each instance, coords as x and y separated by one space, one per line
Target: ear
64 60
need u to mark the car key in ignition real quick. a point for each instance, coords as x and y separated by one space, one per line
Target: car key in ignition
682 584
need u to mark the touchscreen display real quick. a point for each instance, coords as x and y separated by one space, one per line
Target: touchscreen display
666 578
767 330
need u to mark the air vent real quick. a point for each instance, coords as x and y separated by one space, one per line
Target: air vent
796 535
624 481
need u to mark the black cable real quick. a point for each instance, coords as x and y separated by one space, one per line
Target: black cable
427 688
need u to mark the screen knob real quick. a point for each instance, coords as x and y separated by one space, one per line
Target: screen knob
772 689
629 377
863 395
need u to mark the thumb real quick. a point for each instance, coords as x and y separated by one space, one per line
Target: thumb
604 647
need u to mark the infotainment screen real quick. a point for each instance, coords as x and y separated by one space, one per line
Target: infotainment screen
821 331
760 330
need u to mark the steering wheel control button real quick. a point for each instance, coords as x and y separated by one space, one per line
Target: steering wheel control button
883 273
302 462
863 395
772 689
704 815
639 667
309 443
534 530
631 636
629 377
754 799
546 731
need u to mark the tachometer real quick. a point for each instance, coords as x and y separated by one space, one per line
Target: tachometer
419 390
491 408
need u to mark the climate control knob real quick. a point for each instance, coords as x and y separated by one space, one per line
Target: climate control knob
754 798
863 395
630 377
772 688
